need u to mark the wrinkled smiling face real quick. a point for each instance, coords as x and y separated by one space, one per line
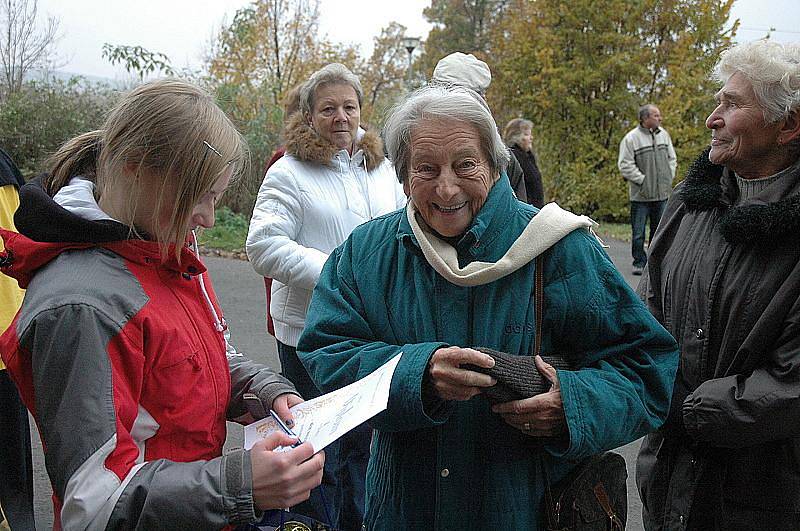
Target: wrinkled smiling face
740 139
449 176
336 114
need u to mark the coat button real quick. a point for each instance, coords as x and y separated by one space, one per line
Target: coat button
699 334
445 472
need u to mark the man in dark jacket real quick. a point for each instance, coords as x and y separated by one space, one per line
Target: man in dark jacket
723 277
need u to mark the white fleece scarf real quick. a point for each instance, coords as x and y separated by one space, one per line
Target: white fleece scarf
546 228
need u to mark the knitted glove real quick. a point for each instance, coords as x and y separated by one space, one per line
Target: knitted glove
517 376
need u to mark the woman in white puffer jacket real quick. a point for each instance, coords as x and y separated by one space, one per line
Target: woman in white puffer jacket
333 177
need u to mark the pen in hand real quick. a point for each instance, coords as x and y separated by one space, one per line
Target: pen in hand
284 428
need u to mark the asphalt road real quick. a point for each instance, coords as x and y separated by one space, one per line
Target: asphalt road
241 293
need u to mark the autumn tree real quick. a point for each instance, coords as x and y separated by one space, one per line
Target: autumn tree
581 69
679 67
269 47
24 44
383 74
460 26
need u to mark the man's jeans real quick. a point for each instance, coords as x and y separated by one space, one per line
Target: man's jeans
640 212
343 480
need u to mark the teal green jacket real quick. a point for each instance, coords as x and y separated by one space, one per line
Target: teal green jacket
456 465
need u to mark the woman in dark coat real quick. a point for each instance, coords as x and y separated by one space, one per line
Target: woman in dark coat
518 138
724 278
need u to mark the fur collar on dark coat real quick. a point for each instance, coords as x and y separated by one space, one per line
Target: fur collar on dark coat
706 187
305 144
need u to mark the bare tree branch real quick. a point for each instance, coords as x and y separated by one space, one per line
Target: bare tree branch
24 45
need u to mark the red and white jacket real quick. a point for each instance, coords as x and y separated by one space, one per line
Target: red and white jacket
123 361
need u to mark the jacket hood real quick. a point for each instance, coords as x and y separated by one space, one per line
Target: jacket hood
46 229
9 173
766 219
41 219
305 144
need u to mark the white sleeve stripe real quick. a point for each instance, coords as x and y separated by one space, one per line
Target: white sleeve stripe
144 427
100 521
93 490
89 488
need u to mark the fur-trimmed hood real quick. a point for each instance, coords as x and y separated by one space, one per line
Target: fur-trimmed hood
768 218
305 144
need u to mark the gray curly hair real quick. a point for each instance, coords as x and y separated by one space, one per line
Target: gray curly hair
772 68
444 102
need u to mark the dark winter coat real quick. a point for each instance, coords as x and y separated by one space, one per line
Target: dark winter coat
533 178
725 281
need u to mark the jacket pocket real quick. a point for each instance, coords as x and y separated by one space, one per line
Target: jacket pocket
290 305
653 467
186 356
764 477
179 386
666 300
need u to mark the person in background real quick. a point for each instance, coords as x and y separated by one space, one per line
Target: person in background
453 272
465 70
647 161
16 471
518 137
291 104
724 278
333 177
120 348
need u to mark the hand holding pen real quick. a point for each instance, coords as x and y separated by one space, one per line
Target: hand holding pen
284 479
284 428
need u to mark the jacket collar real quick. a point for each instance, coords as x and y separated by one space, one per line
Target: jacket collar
487 225
47 229
649 131
303 143
767 218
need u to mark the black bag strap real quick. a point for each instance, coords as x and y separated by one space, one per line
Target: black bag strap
538 295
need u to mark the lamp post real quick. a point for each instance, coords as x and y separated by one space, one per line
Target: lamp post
410 43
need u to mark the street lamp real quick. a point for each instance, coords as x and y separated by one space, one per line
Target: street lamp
410 43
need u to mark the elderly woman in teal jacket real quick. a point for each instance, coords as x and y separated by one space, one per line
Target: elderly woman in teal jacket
455 271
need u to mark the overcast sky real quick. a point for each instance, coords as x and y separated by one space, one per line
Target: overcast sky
181 29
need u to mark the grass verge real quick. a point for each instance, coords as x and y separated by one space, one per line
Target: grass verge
618 231
228 233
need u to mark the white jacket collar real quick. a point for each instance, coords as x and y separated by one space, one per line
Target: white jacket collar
78 197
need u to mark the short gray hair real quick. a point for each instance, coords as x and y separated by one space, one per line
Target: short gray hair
772 68
448 103
644 112
330 74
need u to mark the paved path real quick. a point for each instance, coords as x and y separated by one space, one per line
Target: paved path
241 293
